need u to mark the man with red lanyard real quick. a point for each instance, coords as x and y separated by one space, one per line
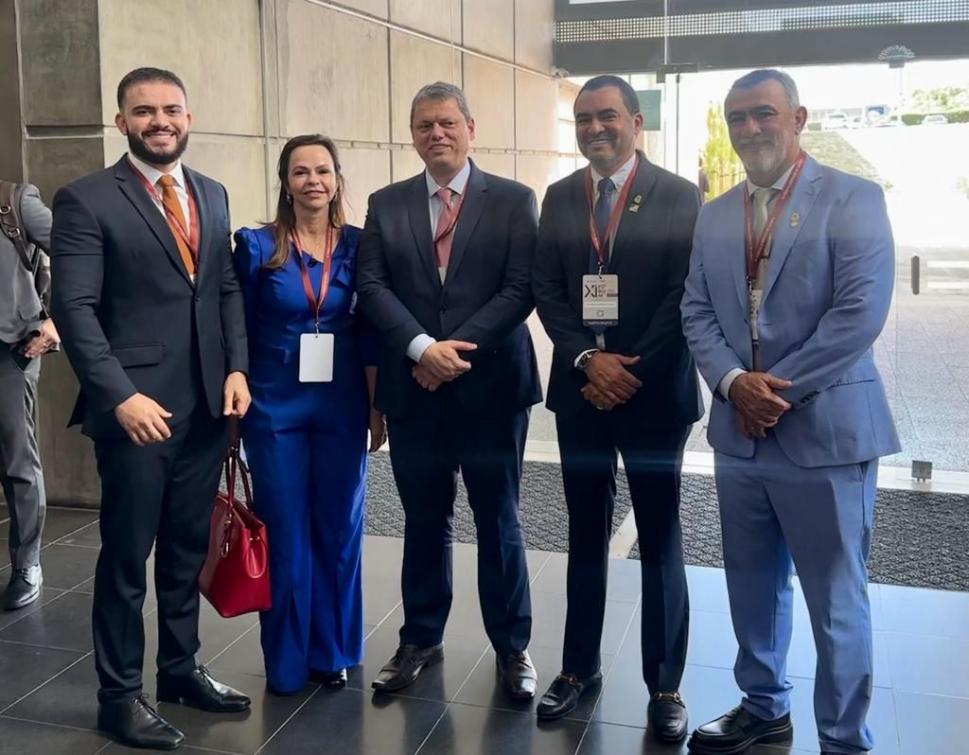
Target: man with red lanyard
444 275
151 317
790 284
613 251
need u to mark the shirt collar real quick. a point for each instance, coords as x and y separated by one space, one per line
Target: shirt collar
153 174
778 184
456 185
618 178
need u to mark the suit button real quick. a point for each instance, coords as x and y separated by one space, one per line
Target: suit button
198 299
443 310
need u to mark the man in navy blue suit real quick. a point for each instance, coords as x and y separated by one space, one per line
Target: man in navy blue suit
151 318
790 284
444 274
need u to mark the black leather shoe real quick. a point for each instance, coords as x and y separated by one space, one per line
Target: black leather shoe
667 716
198 689
137 724
563 695
23 588
737 731
331 679
518 675
406 665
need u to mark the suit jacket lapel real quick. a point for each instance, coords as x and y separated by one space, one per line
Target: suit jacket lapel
629 222
736 257
131 186
204 209
420 225
579 210
475 195
789 225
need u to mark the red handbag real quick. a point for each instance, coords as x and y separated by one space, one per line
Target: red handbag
235 578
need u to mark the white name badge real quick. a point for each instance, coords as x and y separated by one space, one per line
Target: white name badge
316 358
600 300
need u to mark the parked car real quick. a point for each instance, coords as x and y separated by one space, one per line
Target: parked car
935 119
834 121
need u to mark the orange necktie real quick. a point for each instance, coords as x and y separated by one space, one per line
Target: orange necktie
173 208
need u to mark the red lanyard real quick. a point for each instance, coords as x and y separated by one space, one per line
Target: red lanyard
315 302
600 244
189 237
454 216
757 248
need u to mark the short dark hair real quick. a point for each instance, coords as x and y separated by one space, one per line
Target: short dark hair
141 75
760 75
629 97
441 91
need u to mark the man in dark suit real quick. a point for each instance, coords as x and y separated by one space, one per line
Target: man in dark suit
151 317
622 381
444 274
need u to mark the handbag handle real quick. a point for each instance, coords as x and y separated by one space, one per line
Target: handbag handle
234 464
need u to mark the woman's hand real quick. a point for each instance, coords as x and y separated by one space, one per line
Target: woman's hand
378 430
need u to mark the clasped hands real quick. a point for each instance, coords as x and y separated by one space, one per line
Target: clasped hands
144 419
610 383
758 406
440 363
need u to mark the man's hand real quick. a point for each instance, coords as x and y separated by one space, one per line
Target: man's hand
597 398
235 395
444 362
751 428
143 419
753 395
378 429
608 373
43 342
426 378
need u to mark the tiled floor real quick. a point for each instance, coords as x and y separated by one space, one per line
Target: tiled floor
47 681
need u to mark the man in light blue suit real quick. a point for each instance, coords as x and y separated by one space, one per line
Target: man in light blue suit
790 284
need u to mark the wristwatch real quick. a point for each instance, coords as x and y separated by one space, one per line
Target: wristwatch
584 358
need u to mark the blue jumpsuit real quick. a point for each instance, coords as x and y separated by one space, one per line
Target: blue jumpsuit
306 444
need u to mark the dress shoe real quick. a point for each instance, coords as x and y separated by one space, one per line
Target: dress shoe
198 689
667 716
330 679
737 731
563 695
518 675
135 723
406 665
23 588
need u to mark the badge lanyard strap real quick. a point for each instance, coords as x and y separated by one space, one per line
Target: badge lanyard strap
600 244
756 248
191 238
454 218
315 302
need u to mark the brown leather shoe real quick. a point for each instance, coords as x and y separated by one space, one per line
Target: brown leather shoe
518 675
403 669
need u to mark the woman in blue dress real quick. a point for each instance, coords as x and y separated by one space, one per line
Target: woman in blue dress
311 377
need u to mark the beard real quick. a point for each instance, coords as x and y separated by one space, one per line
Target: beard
140 149
762 157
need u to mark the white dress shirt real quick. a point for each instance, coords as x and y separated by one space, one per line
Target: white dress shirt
417 347
153 174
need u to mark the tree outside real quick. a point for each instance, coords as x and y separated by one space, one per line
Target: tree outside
720 163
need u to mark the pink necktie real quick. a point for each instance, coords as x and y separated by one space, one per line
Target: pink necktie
444 234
